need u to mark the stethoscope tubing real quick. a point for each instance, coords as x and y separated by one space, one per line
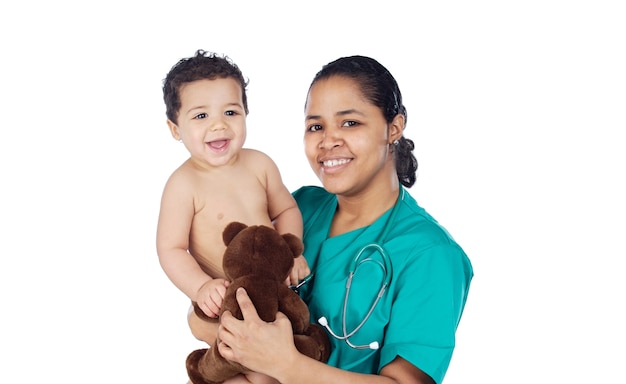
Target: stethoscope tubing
386 266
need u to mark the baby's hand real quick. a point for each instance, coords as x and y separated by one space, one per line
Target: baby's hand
299 271
211 295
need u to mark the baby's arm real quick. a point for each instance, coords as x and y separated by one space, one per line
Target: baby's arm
179 265
286 217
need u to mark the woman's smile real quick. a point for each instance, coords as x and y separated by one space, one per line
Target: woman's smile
335 162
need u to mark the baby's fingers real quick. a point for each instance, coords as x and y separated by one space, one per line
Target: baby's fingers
209 308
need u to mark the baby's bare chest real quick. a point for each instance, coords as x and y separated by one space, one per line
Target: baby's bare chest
215 207
224 201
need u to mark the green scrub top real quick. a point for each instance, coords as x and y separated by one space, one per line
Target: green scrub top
417 316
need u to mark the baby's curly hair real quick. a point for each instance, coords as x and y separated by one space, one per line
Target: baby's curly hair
204 65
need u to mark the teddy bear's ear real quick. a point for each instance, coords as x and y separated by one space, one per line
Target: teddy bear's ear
231 230
294 242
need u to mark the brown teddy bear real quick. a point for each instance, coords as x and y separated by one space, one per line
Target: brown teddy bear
259 259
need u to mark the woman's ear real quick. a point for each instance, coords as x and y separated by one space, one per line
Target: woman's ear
173 129
396 128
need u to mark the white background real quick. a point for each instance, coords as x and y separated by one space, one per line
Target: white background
517 110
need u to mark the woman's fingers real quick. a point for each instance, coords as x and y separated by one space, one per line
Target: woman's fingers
248 310
232 330
248 341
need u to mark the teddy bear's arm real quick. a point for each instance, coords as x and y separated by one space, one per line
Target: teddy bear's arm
230 300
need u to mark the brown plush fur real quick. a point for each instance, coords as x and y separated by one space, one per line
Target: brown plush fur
259 259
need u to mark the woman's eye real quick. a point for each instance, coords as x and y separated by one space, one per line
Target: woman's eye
314 128
349 123
201 116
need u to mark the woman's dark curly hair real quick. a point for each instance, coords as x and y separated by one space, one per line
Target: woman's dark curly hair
204 65
382 90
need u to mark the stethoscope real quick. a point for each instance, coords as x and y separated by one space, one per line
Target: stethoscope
359 260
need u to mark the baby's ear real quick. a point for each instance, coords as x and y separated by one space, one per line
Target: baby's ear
231 230
295 244
173 129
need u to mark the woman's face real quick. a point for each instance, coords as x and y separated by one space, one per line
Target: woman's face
346 138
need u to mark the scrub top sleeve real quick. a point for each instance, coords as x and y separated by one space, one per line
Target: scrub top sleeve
431 290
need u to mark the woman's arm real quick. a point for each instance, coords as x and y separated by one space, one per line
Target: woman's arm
268 348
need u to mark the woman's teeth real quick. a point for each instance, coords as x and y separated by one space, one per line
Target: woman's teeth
335 162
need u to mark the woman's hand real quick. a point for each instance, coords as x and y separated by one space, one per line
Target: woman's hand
268 348
260 346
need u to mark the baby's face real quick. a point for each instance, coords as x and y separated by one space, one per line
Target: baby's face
211 120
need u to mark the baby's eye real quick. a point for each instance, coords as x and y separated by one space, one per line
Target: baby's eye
200 116
230 113
349 123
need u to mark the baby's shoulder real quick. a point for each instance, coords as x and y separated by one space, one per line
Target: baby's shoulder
185 171
253 158
254 154
185 177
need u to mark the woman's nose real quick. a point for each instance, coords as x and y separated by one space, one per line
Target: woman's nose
329 140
